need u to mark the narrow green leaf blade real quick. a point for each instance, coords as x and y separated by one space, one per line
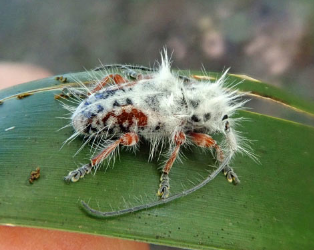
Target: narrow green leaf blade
271 208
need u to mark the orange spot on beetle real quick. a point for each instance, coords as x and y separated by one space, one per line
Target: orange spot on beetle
134 114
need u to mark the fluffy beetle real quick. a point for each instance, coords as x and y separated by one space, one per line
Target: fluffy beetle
130 103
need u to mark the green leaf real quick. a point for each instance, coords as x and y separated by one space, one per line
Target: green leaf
272 207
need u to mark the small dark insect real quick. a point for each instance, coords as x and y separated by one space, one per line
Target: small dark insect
23 95
34 175
61 79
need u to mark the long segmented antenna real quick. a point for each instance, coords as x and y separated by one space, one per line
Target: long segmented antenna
97 213
124 66
138 67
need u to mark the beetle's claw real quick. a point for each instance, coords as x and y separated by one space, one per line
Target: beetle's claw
231 175
66 92
164 186
76 174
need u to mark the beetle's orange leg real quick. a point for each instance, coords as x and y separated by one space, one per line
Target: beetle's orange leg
112 78
118 79
164 186
128 139
115 78
206 141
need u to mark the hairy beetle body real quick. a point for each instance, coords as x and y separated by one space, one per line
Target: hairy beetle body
159 106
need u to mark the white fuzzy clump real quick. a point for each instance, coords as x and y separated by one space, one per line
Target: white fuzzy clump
157 105
170 104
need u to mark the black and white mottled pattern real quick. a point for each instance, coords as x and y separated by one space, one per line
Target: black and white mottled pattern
163 108
169 103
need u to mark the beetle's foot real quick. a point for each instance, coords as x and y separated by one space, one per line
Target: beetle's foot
66 92
231 175
131 73
76 174
164 186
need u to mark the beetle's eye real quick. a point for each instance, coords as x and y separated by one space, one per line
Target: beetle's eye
225 117
194 118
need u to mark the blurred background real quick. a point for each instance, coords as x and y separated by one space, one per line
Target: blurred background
268 40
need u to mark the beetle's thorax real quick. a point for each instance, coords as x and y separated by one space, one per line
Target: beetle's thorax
208 103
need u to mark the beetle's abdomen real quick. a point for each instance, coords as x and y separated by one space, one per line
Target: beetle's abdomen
125 119
120 119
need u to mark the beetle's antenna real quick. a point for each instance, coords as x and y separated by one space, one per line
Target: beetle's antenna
97 213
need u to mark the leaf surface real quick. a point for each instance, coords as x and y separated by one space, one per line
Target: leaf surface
272 207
